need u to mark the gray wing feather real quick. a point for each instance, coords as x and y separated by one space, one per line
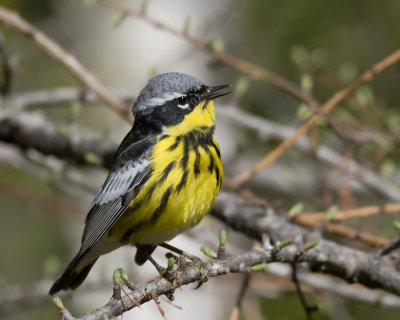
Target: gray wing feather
118 191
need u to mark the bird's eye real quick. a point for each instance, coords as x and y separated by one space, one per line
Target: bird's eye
182 100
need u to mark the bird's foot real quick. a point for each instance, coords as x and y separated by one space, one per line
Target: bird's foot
194 262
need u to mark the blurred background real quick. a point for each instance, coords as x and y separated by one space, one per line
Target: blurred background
320 45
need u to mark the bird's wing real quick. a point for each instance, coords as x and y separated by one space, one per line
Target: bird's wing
131 171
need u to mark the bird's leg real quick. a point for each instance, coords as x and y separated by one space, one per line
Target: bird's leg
159 268
181 252
167 272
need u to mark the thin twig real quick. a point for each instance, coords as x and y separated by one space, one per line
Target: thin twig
53 49
252 70
352 233
326 108
243 288
318 217
307 309
269 129
246 67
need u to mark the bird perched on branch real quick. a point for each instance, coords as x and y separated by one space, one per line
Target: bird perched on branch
165 177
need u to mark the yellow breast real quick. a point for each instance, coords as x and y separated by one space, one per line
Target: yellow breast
186 178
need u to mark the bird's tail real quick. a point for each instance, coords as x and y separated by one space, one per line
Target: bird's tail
73 275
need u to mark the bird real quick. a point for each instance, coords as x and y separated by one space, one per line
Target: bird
165 177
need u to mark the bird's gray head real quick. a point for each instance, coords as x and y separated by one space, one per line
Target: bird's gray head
166 87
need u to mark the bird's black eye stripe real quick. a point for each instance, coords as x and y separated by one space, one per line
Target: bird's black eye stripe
182 100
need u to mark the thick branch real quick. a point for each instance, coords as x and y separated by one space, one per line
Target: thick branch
240 263
266 128
32 131
328 257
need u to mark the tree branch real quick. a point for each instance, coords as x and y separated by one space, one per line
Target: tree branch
240 263
326 108
226 58
328 257
12 19
32 131
267 129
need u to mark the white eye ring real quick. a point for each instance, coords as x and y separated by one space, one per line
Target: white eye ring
183 103
183 107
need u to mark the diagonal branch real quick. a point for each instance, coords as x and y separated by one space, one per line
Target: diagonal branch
270 129
326 108
53 49
242 65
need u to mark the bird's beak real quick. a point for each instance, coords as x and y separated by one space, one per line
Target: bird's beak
216 92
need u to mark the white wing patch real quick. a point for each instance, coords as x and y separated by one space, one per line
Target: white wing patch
119 182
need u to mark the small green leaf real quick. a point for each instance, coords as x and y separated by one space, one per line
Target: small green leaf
208 252
330 213
241 86
171 263
285 243
92 158
123 274
307 81
309 245
259 267
57 301
396 225
296 209
304 112
347 72
216 45
222 237
117 276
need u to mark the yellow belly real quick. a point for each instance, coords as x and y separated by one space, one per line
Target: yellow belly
184 184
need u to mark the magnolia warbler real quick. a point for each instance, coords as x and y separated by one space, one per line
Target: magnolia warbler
165 177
